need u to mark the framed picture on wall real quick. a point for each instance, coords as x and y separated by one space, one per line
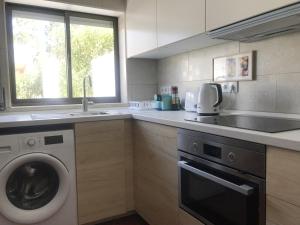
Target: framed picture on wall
233 68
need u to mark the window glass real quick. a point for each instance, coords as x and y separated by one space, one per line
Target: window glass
39 55
52 51
92 49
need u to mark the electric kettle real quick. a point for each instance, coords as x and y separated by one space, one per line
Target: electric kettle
209 99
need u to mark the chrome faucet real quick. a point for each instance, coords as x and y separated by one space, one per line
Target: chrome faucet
85 101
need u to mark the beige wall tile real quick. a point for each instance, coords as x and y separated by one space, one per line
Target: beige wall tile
278 55
142 71
245 99
288 93
200 61
257 95
141 92
173 69
141 79
276 88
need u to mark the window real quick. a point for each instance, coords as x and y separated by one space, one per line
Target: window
51 51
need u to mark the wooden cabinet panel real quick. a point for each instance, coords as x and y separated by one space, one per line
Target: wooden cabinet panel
155 173
282 213
104 175
187 219
140 26
177 20
129 165
283 176
283 186
221 13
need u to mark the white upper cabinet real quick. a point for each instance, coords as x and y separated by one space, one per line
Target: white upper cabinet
177 20
220 13
140 26
153 24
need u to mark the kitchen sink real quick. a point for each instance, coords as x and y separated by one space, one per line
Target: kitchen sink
99 113
41 116
45 116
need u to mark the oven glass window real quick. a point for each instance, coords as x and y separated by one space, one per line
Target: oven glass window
32 185
215 203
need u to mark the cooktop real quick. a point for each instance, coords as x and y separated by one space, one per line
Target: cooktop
264 124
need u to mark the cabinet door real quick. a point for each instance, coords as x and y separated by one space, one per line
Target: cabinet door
177 20
140 26
281 212
283 186
155 173
221 13
187 219
103 174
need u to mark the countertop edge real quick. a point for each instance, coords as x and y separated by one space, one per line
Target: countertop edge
53 121
287 140
247 135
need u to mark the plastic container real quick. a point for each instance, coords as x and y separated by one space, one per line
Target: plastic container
166 102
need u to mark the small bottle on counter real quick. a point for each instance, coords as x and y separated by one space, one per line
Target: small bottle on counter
175 98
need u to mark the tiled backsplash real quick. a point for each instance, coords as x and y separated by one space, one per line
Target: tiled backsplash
141 79
276 87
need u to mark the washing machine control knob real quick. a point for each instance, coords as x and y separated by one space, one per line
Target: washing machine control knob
31 142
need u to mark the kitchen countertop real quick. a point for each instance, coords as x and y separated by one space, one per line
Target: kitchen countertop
23 119
288 139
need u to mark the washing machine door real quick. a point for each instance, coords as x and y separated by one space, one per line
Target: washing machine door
33 188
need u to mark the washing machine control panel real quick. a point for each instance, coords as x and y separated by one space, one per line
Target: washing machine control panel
32 142
35 142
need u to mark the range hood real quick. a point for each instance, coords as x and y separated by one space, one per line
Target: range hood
281 21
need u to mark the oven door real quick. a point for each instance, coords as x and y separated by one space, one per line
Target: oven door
217 197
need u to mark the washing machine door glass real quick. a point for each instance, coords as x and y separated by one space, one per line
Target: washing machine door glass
32 185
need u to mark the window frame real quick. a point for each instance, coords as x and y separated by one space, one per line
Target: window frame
66 15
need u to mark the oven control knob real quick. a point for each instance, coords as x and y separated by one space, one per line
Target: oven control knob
195 146
31 142
231 156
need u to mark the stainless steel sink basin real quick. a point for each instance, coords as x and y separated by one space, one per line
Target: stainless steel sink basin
46 116
99 113
43 116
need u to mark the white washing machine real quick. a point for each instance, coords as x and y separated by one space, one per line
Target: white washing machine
38 179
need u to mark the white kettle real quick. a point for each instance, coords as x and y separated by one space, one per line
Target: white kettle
209 99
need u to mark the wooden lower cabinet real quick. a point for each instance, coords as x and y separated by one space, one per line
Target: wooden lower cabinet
104 169
155 173
283 186
187 219
125 165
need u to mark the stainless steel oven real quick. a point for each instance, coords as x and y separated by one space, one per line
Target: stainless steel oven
221 180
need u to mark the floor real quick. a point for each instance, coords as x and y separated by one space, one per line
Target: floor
130 220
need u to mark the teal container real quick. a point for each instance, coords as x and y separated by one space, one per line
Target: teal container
166 102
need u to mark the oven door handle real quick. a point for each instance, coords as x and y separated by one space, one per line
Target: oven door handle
243 189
